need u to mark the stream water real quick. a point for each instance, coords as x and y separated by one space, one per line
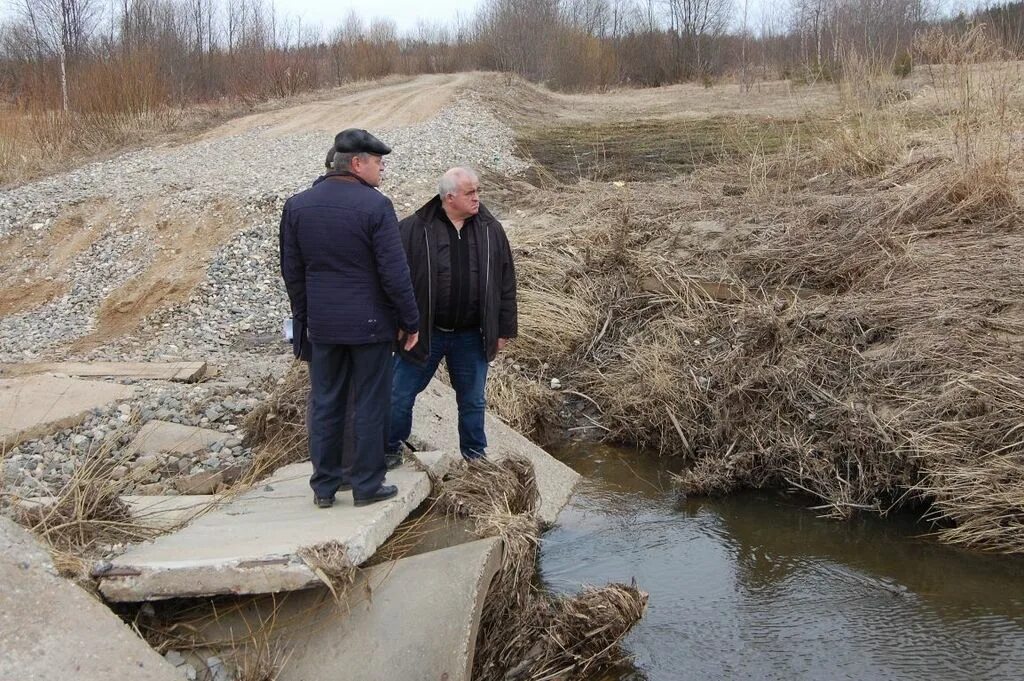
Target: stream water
755 586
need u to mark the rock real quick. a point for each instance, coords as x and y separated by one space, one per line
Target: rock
556 384
199 483
218 672
118 472
151 490
175 658
231 474
143 462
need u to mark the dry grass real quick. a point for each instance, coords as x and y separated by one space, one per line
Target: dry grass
276 429
853 330
525 633
330 562
87 514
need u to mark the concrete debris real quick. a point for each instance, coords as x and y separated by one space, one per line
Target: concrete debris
184 372
52 629
161 437
434 427
381 629
35 405
250 543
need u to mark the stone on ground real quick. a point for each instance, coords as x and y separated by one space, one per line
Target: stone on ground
52 629
435 424
158 437
33 406
250 543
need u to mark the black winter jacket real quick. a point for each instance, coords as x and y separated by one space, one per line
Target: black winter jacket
498 313
341 259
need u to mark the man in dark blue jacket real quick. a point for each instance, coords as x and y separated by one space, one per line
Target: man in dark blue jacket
351 298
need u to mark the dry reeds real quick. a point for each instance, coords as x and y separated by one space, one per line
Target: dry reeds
857 335
523 402
573 636
330 562
524 633
86 514
276 429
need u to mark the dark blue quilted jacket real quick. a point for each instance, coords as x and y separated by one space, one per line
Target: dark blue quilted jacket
343 264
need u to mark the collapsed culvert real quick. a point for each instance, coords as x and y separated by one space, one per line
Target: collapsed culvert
523 633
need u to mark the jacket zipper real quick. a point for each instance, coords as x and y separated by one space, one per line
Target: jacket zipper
487 283
430 292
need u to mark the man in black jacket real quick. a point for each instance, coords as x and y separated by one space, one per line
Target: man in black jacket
351 297
465 284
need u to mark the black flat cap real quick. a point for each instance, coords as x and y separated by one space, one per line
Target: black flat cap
356 141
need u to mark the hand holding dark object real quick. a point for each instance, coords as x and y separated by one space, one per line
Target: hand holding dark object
301 347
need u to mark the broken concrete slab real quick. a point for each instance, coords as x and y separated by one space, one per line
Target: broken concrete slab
158 437
439 464
52 629
414 618
33 406
185 372
435 420
250 543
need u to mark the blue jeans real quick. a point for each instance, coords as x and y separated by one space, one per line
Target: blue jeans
466 358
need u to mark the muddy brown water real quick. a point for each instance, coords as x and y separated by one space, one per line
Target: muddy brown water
755 586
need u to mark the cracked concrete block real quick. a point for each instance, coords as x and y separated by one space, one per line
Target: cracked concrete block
52 629
250 543
414 618
34 406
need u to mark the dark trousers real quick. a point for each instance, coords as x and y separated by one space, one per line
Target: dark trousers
466 358
350 388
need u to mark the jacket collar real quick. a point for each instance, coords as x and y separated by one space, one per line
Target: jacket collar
427 211
342 175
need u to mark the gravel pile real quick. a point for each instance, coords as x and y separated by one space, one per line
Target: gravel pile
43 466
233 318
242 302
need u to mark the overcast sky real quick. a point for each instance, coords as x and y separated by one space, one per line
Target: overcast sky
406 13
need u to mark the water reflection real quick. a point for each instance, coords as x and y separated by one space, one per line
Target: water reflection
755 586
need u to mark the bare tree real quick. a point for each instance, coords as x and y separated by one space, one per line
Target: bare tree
63 28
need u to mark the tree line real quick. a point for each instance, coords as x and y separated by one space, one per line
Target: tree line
95 56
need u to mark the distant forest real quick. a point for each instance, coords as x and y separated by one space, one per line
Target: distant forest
90 56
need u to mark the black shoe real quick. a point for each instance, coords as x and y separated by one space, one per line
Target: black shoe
383 492
323 502
393 460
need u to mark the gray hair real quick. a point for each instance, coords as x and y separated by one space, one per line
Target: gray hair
449 182
343 161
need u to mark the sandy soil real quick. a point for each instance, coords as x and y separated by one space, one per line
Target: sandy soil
389 105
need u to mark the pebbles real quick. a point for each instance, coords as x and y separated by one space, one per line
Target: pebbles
42 467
